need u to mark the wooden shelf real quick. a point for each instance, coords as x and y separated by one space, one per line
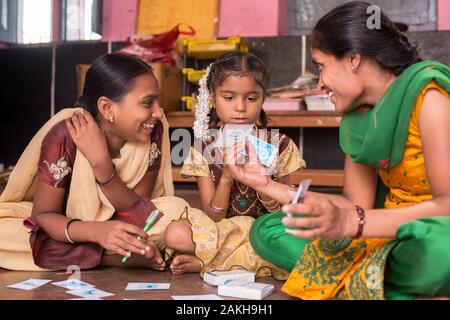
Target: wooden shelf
319 177
282 119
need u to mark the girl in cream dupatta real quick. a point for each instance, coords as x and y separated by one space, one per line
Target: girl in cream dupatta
85 199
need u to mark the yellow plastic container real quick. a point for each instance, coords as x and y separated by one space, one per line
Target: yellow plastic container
212 49
192 75
190 102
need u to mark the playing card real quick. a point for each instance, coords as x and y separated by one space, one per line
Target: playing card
232 134
265 151
147 286
73 284
90 293
301 192
29 284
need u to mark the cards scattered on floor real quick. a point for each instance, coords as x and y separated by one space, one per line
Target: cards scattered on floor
90 293
29 284
198 297
73 284
147 286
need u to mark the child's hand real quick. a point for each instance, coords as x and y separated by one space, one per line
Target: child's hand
248 170
88 137
226 168
120 237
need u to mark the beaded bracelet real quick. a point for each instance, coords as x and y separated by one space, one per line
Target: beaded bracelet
361 221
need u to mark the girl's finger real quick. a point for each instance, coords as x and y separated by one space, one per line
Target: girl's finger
129 247
133 230
134 242
76 122
234 155
252 156
120 251
70 127
308 223
82 118
88 116
304 234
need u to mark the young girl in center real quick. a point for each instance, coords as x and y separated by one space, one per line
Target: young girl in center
231 92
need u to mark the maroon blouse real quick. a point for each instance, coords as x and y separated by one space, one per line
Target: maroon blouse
56 161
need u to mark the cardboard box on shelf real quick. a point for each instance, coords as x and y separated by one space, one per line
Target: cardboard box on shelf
275 104
169 80
320 102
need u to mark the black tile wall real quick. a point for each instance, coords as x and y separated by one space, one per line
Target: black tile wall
25 81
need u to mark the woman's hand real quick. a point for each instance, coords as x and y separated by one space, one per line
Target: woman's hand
120 237
154 255
249 170
323 219
89 138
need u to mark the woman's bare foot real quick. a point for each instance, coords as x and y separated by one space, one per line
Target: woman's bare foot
185 264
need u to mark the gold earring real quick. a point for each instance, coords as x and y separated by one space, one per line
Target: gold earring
111 119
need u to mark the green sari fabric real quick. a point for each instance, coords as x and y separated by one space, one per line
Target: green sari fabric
377 136
418 261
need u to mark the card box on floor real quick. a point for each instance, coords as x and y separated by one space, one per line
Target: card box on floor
238 289
216 278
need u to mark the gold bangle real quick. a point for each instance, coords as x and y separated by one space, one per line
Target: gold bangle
266 203
66 229
217 209
274 209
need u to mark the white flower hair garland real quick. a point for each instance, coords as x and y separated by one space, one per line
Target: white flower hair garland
202 107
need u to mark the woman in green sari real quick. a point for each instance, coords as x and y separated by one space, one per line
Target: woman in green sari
388 235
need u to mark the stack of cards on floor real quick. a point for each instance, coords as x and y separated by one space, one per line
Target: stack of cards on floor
147 286
242 289
238 284
216 278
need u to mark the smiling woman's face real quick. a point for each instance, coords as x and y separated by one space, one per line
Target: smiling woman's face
139 110
339 80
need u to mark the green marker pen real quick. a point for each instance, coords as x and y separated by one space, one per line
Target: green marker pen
148 223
